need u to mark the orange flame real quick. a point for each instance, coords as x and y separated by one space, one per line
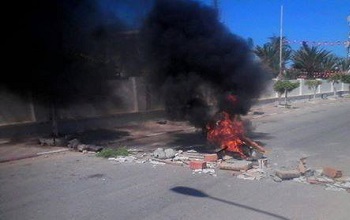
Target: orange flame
227 133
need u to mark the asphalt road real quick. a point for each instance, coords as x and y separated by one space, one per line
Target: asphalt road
81 186
320 132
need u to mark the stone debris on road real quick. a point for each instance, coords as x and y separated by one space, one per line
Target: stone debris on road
246 170
287 174
256 168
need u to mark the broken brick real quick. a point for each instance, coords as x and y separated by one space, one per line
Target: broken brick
210 157
197 164
312 181
332 172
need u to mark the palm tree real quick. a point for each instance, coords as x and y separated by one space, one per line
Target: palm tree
311 59
331 63
344 65
269 54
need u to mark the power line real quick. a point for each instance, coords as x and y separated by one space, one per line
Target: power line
317 43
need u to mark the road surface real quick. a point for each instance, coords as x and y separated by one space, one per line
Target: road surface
72 185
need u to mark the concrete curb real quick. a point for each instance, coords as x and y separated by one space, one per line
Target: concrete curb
32 155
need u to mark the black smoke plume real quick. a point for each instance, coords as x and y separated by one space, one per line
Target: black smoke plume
65 51
192 54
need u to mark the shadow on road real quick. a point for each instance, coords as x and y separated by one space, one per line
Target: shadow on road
100 136
197 193
192 141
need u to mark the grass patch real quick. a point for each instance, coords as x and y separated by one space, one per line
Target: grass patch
113 152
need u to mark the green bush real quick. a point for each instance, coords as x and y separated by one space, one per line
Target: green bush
345 79
282 86
285 86
313 85
113 152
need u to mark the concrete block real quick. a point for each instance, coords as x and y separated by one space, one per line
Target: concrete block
287 174
236 166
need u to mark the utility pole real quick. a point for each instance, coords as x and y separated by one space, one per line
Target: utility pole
348 41
216 6
281 43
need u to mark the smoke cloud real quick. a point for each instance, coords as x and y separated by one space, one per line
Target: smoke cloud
192 54
65 51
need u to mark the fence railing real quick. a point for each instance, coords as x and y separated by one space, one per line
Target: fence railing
325 88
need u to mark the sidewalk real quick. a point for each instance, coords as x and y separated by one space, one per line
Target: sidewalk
11 150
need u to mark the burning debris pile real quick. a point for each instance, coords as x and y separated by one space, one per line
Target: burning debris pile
203 71
197 63
228 132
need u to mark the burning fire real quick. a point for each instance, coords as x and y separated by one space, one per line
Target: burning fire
229 134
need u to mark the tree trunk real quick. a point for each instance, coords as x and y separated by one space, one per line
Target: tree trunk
54 121
285 98
279 98
315 93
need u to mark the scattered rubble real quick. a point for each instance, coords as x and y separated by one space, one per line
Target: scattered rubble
73 143
88 147
164 154
256 168
253 174
330 178
205 171
122 159
60 141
